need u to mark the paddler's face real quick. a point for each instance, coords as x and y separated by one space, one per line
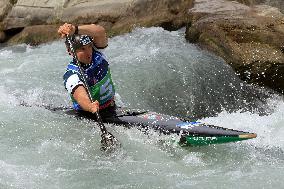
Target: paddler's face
84 54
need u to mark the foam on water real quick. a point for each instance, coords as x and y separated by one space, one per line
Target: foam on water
153 69
268 127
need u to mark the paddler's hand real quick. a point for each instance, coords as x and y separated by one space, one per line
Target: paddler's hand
94 107
66 29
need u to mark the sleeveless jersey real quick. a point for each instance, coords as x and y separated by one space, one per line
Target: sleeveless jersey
98 77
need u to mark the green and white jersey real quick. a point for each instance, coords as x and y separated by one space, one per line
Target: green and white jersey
98 77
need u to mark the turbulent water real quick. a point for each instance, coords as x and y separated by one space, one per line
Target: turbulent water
153 69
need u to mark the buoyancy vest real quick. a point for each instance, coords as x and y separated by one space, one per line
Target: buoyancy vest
98 78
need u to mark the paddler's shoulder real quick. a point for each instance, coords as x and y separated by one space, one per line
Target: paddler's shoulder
98 54
71 69
72 66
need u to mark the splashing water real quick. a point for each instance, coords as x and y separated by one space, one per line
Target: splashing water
153 69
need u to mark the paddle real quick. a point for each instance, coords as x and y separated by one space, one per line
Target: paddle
108 141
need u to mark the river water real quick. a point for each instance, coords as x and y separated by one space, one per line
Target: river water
153 69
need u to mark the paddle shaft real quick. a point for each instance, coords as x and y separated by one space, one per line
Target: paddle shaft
77 62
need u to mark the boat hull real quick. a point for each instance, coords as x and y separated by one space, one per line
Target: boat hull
191 133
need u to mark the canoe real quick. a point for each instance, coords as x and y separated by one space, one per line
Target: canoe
192 133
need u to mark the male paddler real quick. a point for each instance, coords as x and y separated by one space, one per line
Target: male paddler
86 40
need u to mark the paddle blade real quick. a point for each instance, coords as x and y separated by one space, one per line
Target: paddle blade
109 142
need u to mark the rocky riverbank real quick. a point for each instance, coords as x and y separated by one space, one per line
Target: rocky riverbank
35 22
249 38
248 34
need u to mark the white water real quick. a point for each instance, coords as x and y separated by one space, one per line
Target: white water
153 69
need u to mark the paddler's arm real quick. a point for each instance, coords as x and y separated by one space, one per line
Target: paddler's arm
81 96
96 31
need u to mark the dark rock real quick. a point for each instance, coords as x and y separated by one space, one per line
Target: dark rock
3 37
250 39
35 35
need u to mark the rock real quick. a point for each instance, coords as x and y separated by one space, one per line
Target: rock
3 37
249 2
5 6
35 35
250 39
169 14
117 16
31 12
274 3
